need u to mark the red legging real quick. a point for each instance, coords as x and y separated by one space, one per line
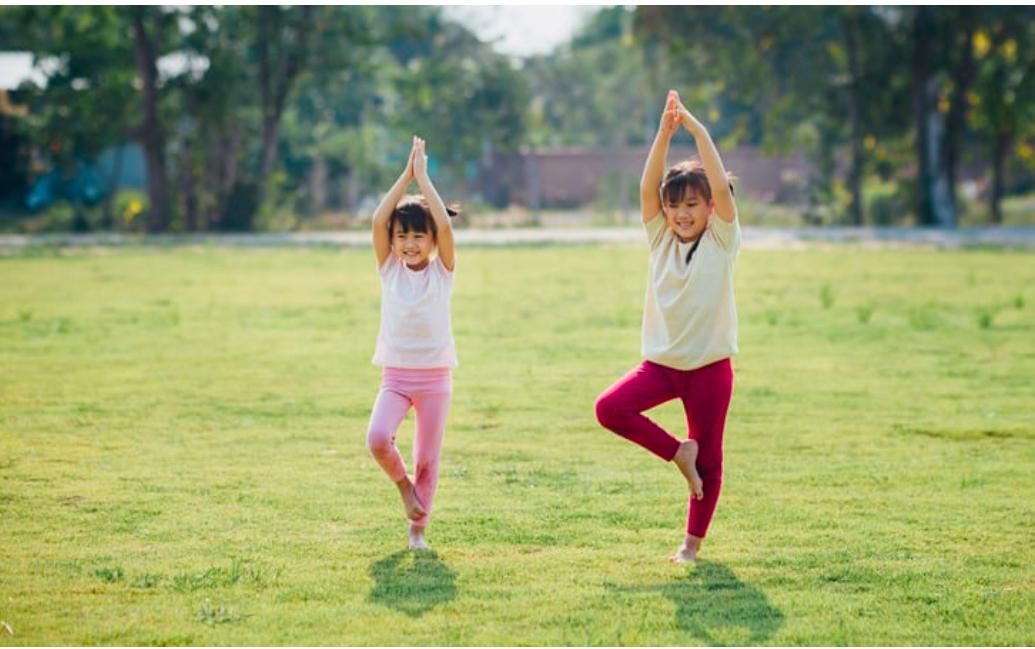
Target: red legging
705 393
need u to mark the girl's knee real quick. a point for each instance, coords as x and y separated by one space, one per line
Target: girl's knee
607 411
379 442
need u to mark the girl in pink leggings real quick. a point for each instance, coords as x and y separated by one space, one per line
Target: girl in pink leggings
689 318
415 342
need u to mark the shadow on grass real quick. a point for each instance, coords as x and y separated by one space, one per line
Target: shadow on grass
716 607
412 582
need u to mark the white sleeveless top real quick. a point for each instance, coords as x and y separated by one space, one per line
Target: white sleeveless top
689 315
416 331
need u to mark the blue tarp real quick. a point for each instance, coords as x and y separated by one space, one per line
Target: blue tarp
86 185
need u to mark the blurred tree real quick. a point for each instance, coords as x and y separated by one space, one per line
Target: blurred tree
771 74
594 91
284 40
209 102
88 100
454 90
328 140
152 29
1003 101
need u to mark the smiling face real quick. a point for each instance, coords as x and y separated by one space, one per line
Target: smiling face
412 247
686 200
688 215
412 232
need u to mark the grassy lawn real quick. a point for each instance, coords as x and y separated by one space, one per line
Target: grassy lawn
182 456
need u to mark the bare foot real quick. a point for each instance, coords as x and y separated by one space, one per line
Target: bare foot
686 460
412 504
416 538
687 553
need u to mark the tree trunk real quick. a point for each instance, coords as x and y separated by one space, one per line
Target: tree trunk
226 174
1000 149
962 77
270 129
488 187
934 204
277 76
352 192
188 184
855 169
113 185
532 184
150 133
318 186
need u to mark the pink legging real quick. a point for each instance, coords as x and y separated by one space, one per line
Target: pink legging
428 392
705 393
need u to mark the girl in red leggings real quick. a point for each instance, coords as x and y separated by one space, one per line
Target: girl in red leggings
689 318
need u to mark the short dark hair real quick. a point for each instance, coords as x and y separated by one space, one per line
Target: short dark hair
413 215
687 176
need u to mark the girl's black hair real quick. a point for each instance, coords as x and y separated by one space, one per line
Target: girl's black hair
413 215
687 176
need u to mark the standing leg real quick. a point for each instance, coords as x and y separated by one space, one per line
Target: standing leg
390 409
432 410
706 398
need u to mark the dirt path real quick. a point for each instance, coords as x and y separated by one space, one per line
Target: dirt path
754 238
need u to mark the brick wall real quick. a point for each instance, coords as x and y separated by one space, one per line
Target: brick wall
571 177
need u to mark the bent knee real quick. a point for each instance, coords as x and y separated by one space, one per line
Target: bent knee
607 411
379 442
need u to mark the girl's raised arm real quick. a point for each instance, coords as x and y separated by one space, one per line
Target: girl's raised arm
718 180
382 237
443 227
654 168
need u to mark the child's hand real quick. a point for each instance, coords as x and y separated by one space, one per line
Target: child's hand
408 172
688 121
420 159
670 117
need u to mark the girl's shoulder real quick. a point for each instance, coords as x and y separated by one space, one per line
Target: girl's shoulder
725 233
391 263
439 268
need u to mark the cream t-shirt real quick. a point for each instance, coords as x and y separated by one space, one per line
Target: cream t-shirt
416 331
690 316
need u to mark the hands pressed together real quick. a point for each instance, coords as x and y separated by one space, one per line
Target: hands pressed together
676 114
417 163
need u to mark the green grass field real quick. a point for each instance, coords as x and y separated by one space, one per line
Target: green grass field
183 461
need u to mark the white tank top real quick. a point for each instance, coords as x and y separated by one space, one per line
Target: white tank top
416 331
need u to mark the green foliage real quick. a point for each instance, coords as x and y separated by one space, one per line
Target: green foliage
826 296
863 313
885 204
58 217
110 575
597 91
327 97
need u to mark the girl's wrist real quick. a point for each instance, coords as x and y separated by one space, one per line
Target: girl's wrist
695 127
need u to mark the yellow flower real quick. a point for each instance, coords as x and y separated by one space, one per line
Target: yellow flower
135 207
982 43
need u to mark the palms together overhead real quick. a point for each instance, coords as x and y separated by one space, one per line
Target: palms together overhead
676 114
418 159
